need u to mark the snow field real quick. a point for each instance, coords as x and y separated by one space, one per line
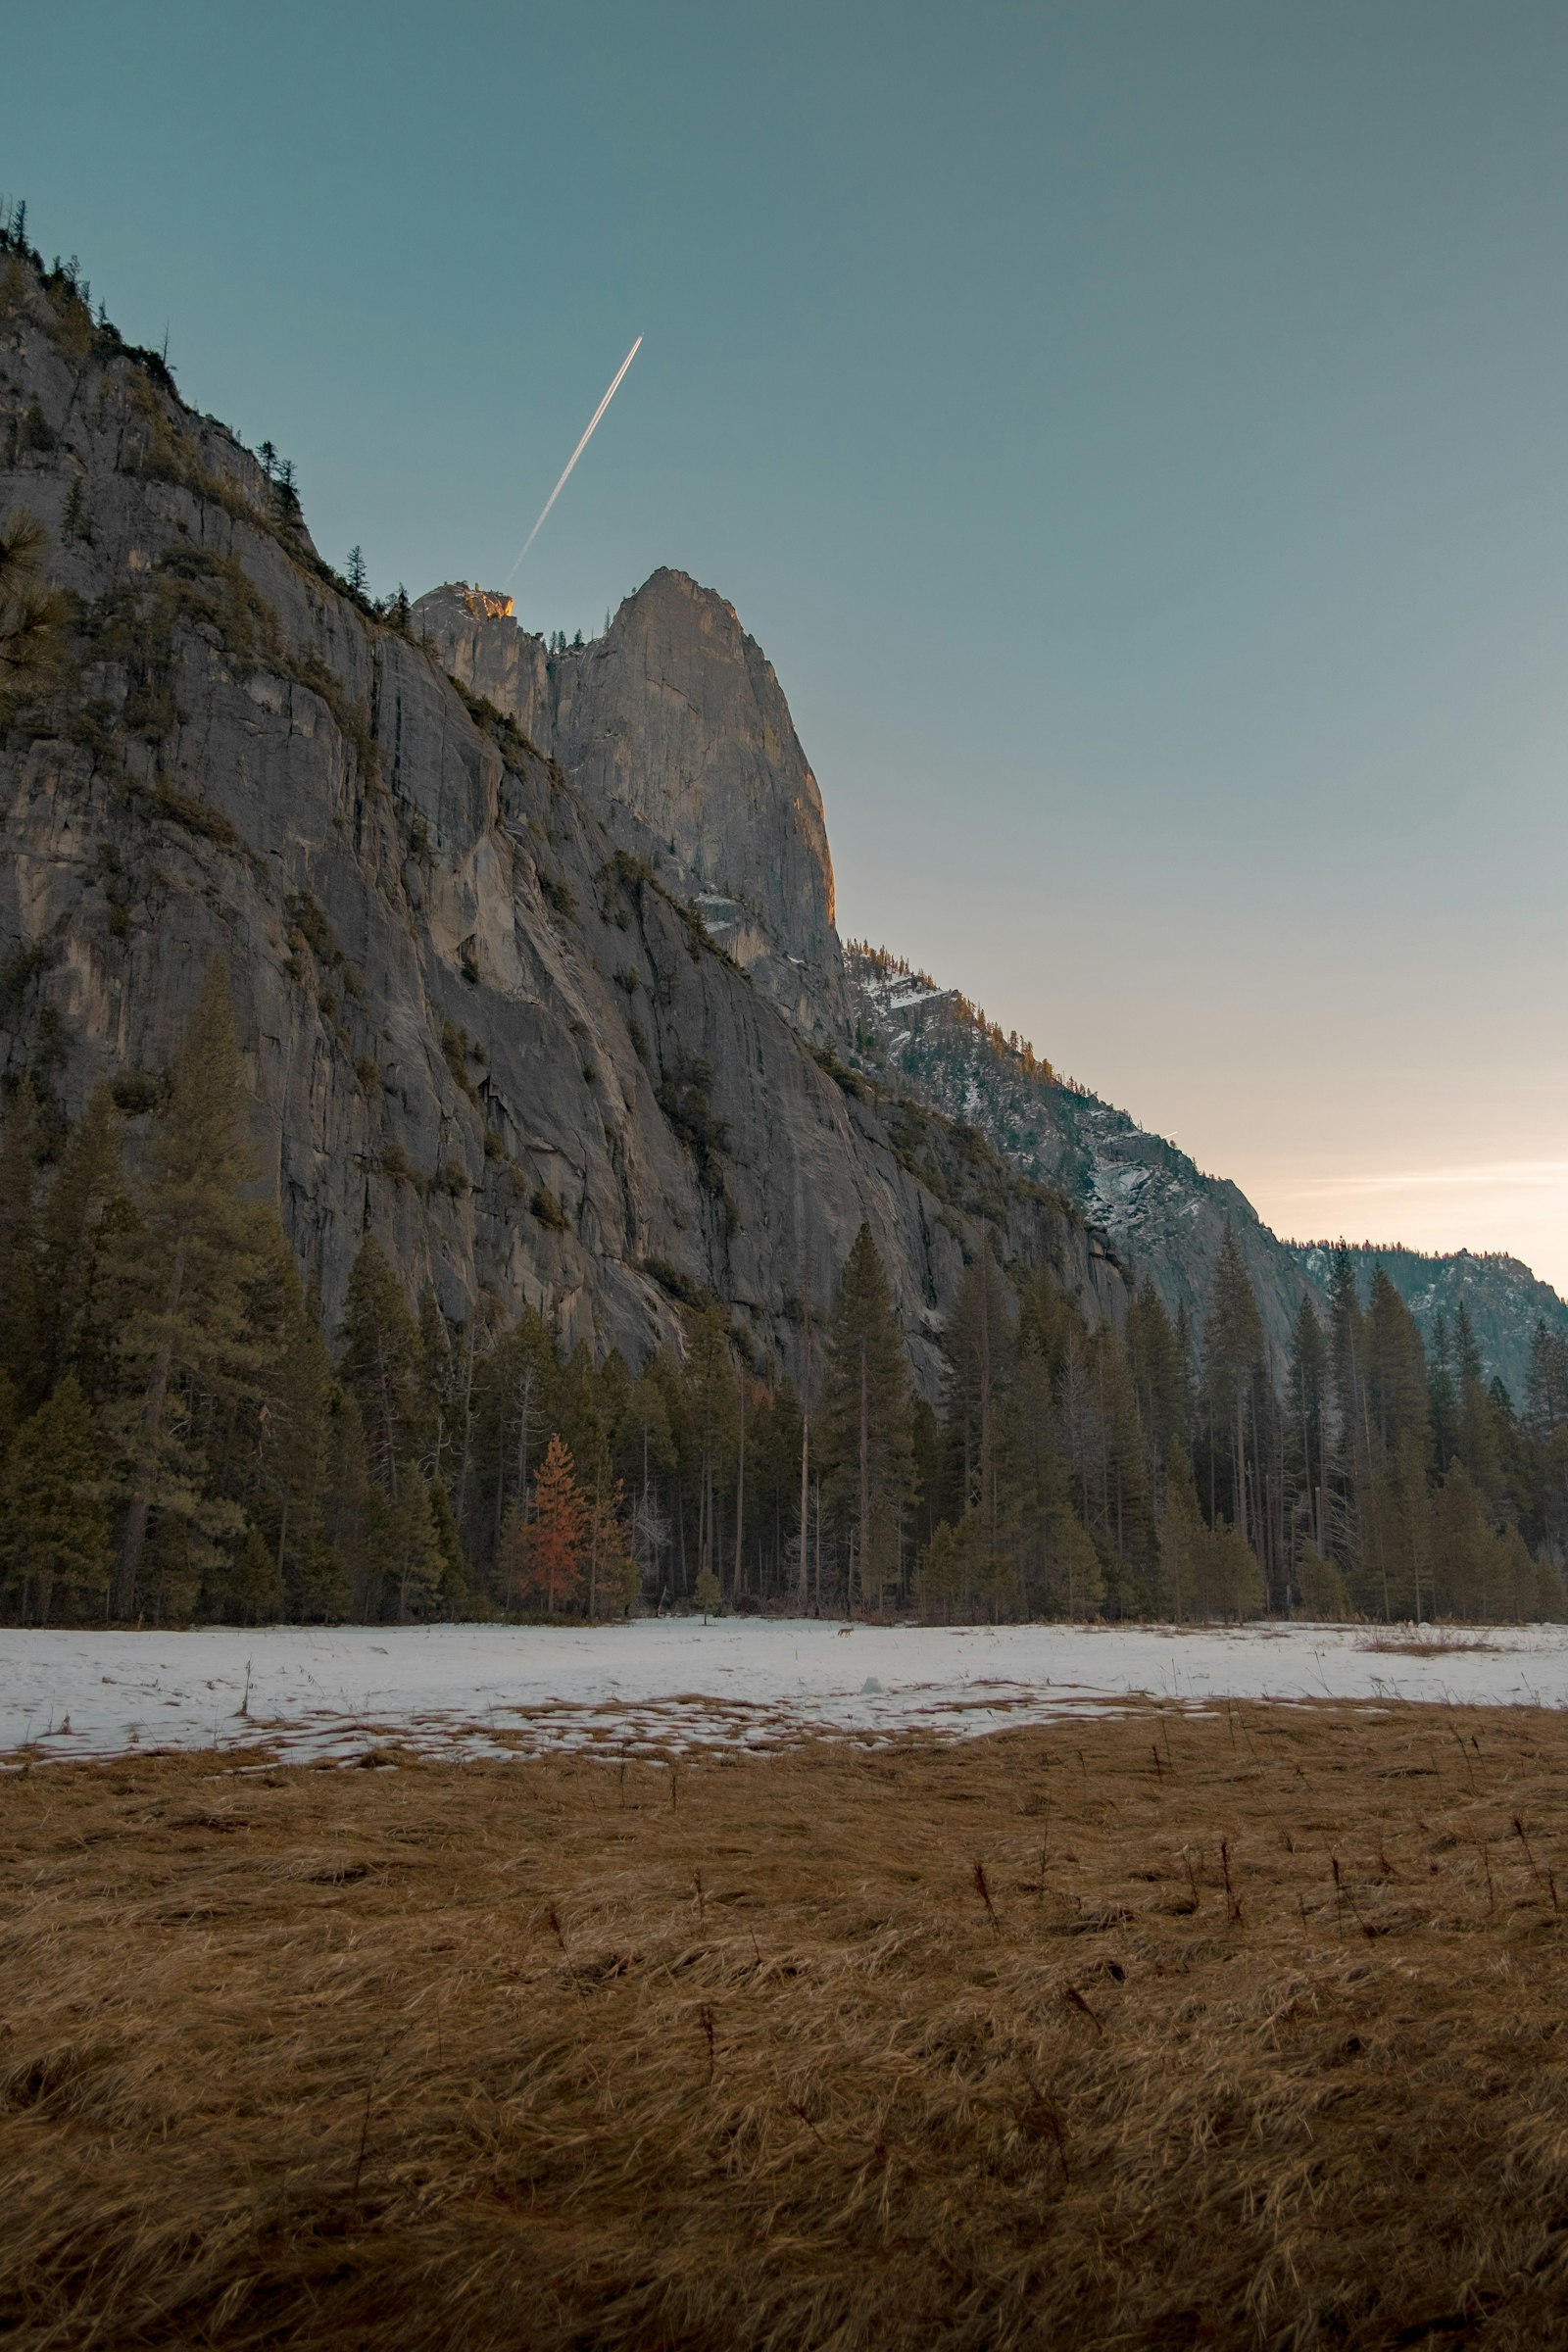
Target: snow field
659 1687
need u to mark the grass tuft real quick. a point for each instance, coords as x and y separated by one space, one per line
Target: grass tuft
1009 2044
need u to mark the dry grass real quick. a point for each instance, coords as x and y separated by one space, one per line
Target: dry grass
1239 2030
1421 1641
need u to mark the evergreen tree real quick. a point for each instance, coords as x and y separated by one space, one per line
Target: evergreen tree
1468 1570
1236 1397
513 1410
944 1589
709 1379
22 1333
866 1424
452 1569
346 1576
185 1357
1305 1433
32 615
1352 1457
645 1453
75 1231
381 1365
54 1529
411 1546
248 1589
706 1594
1160 1382
1181 1538
286 1466
1442 1395
979 1350
1396 1382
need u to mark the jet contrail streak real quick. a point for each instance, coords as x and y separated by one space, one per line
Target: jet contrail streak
575 455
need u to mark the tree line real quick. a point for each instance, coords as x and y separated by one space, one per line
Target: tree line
181 1438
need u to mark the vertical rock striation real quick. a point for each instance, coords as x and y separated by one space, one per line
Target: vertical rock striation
675 720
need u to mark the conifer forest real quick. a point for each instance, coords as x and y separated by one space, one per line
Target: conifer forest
186 1441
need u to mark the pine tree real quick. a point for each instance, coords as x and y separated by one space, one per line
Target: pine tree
979 1350
865 1425
1160 1380
182 1277
411 1548
1236 1394
249 1588
514 1407
706 1594
1305 1431
1352 1458
22 1347
75 1231
645 1451
1396 1382
288 1465
1395 1574
560 1525
54 1529
32 615
452 1577
346 1576
944 1589
1466 1563
710 1376
381 1364
1181 1536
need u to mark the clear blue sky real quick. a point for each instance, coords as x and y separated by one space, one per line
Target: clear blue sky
1138 433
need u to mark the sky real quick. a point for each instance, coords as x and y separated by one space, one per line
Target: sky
1137 432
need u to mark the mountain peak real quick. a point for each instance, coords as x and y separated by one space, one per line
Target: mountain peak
676 718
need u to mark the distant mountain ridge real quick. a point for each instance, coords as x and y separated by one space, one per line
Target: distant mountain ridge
1503 1297
1163 1216
1160 1214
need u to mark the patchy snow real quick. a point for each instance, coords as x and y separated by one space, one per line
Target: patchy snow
660 1686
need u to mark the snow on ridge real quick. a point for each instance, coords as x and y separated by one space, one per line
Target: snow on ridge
663 1687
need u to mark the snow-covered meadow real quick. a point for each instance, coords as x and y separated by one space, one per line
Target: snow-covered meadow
659 1686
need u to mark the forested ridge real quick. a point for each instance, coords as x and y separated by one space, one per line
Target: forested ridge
184 1441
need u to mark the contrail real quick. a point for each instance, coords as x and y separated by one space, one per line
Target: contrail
575 455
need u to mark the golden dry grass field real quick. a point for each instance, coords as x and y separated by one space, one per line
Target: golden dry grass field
1238 2029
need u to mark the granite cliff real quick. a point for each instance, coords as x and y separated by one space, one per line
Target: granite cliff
479 1017
674 726
1161 1215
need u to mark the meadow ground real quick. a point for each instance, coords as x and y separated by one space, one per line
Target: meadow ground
1242 2026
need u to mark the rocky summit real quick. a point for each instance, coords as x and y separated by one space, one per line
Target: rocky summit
675 721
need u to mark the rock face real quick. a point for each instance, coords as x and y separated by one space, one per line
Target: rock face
1162 1214
475 1022
675 719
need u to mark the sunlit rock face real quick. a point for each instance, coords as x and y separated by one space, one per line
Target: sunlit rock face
674 718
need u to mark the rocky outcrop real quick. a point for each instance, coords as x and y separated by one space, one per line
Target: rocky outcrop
1162 1214
675 720
475 1021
